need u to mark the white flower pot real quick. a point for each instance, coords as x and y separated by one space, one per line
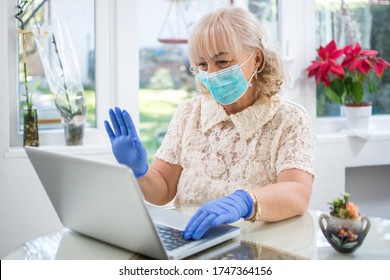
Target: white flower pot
358 119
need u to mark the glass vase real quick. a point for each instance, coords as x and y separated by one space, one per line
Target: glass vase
30 127
74 130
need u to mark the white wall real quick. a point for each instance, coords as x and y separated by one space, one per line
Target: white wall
335 153
370 188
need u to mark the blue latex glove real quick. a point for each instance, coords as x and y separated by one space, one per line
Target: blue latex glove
126 145
224 210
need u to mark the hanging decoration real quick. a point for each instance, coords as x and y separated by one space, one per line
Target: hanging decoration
174 22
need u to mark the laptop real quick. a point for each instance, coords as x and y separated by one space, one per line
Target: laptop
104 201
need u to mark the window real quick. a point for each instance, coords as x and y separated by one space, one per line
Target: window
165 77
81 24
116 71
352 21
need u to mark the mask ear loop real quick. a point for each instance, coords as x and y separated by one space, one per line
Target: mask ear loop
256 72
261 68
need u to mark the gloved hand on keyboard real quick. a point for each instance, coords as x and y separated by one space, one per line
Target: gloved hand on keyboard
126 145
227 209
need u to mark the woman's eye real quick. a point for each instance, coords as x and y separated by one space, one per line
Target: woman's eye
202 66
222 63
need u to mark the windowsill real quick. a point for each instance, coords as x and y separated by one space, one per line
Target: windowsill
376 135
333 129
86 149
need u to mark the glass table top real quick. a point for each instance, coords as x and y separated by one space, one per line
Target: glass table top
298 238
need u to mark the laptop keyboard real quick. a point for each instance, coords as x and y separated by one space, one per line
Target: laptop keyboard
171 237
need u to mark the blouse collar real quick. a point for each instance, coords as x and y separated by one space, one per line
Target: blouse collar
247 122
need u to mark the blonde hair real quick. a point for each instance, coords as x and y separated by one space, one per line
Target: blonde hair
236 30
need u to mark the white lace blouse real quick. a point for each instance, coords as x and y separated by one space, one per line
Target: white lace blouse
220 153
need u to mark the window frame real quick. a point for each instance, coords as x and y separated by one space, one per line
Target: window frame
116 82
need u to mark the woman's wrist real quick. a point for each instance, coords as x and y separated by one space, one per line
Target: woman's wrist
256 212
142 173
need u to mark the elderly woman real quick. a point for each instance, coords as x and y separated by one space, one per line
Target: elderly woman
237 150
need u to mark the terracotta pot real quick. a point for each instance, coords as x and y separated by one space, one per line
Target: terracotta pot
345 235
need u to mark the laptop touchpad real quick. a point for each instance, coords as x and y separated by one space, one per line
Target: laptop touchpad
168 217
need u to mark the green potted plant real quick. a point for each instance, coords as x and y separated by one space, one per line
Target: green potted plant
345 229
349 74
30 113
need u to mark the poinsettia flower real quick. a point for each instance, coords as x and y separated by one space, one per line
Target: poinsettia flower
326 64
380 66
330 51
356 58
321 70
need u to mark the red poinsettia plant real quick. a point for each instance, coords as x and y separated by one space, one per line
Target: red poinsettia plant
347 72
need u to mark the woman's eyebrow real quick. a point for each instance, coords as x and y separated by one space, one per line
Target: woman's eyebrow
219 54
214 56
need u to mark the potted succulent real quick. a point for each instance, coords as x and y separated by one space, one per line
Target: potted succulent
344 228
348 74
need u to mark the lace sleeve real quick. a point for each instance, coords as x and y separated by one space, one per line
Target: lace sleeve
296 148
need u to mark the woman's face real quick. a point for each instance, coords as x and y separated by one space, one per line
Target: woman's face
224 59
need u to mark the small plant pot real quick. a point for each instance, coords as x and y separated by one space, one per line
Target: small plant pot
358 117
345 235
74 131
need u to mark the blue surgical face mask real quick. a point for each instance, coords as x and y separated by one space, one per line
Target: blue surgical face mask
226 86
